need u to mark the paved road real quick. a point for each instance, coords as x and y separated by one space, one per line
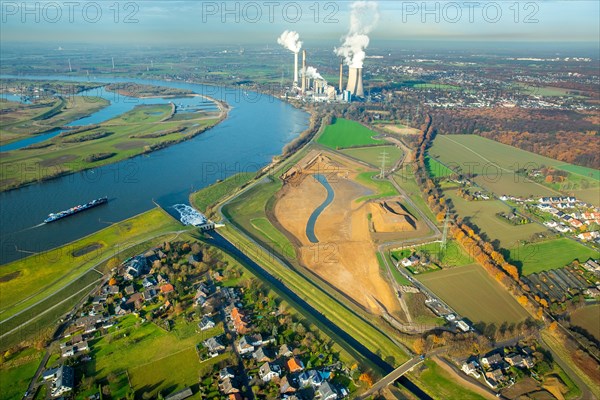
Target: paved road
392 376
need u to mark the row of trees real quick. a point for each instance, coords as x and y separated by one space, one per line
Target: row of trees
478 248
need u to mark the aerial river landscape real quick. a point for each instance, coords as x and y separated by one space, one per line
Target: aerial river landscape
257 128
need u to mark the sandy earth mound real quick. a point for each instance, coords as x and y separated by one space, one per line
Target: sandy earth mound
391 216
345 255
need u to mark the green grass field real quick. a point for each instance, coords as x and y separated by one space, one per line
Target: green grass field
474 294
374 156
582 171
587 318
483 214
17 371
439 384
452 256
151 355
495 164
345 133
381 188
435 169
204 198
264 226
551 254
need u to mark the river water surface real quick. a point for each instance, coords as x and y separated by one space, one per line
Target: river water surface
257 128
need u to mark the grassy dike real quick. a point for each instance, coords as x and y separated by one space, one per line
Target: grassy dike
37 290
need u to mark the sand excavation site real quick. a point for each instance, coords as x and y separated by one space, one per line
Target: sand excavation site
335 233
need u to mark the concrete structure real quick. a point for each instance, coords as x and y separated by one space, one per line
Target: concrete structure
341 77
296 69
355 82
304 78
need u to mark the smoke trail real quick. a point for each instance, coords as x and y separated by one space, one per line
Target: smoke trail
364 16
312 73
290 40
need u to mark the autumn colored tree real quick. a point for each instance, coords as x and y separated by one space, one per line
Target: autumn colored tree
419 346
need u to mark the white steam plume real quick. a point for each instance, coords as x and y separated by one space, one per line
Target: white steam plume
311 72
290 40
364 16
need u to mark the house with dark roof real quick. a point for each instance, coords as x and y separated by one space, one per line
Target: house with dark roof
285 351
213 345
227 386
136 267
244 346
268 371
262 355
63 381
226 373
491 360
285 386
206 323
310 378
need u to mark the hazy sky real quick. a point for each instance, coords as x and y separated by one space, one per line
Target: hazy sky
185 22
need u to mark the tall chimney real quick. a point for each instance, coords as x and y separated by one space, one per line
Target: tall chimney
296 69
341 76
304 71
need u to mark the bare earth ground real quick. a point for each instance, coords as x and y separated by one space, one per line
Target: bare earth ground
345 254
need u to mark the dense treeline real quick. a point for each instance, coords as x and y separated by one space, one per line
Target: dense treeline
564 135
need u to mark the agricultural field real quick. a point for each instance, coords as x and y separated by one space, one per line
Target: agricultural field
436 86
495 164
157 353
587 318
398 129
483 214
436 169
549 254
452 256
345 133
374 155
143 129
475 295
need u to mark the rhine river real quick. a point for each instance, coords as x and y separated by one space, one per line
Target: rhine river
257 128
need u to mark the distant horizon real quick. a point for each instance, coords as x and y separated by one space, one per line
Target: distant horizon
177 22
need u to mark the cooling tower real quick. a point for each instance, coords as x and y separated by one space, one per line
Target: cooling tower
296 69
355 83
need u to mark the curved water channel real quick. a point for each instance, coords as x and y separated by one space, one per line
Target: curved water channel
312 220
257 128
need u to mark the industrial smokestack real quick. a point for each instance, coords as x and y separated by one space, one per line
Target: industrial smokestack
304 78
341 76
355 82
296 69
